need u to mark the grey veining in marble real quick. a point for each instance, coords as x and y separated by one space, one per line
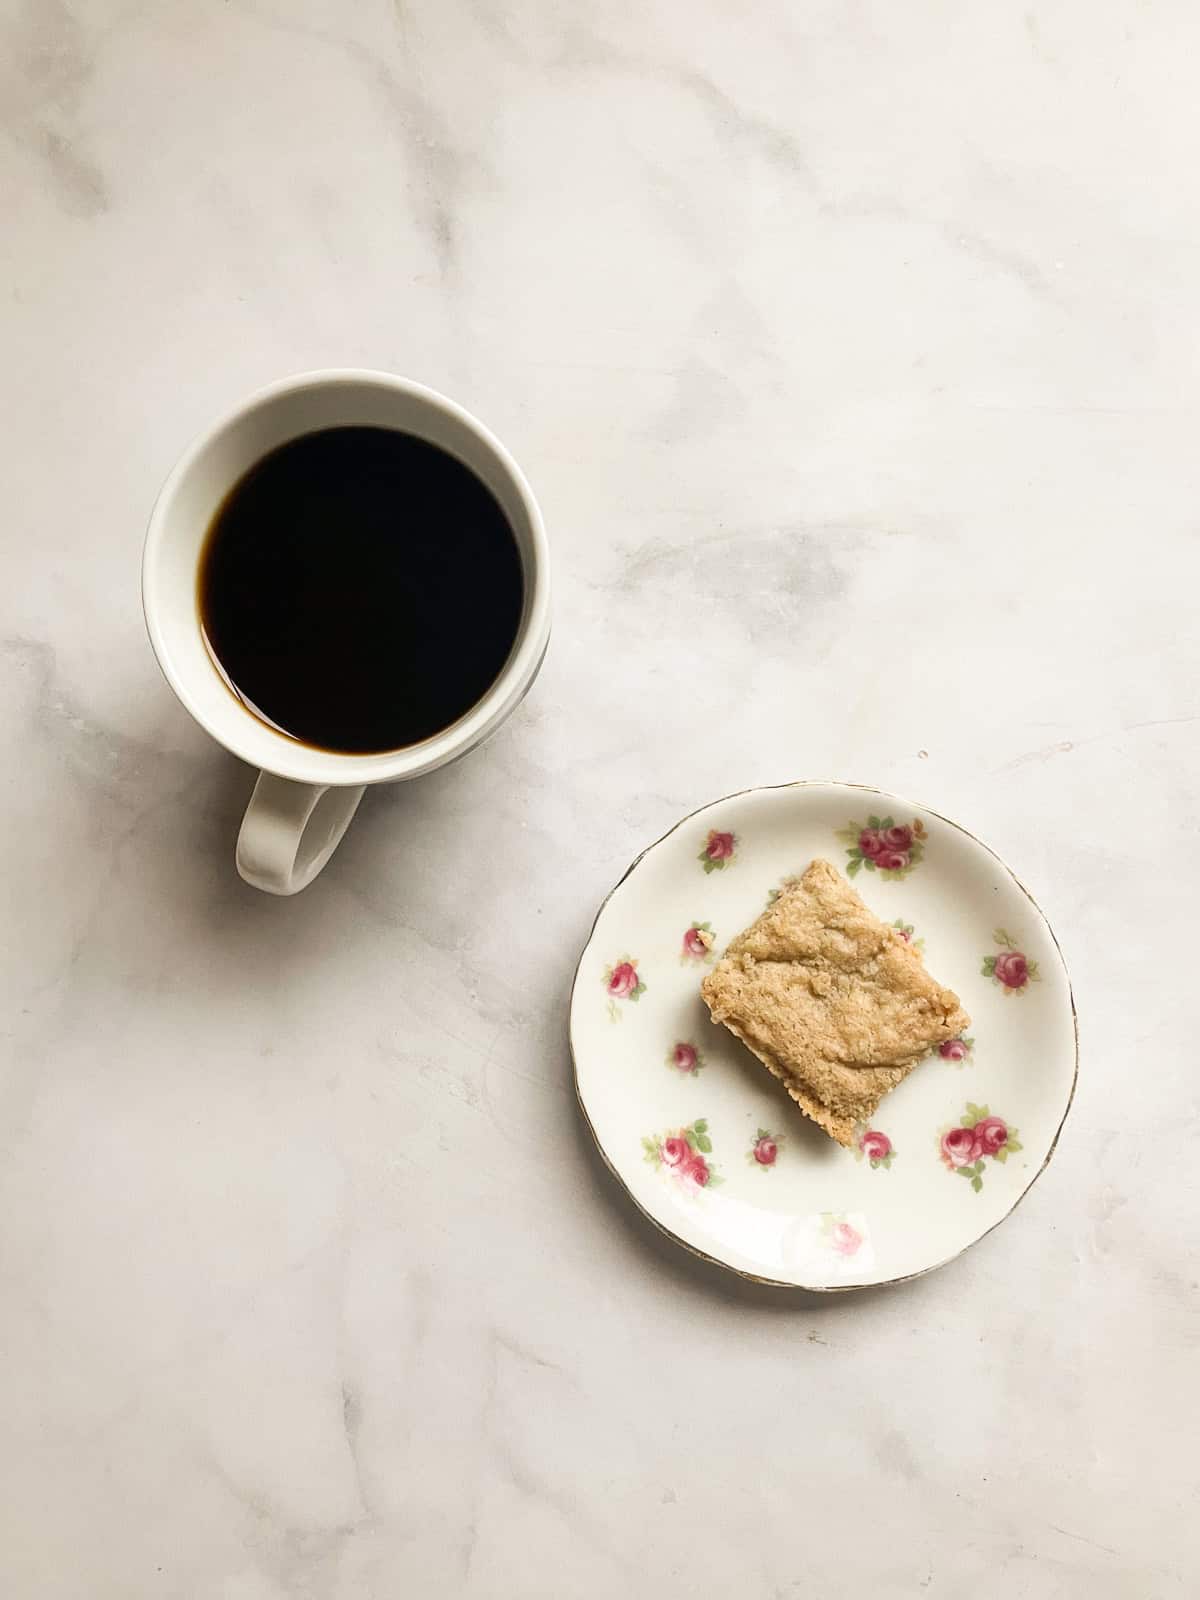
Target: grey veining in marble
852 350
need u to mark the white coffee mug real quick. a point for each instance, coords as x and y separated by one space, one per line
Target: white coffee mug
305 798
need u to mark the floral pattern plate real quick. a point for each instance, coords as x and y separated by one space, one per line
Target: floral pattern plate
704 1139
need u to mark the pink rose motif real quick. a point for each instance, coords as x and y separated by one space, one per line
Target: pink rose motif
870 842
765 1151
845 1239
875 1145
952 1050
1012 969
958 1147
698 1171
697 942
889 860
685 1057
623 980
676 1151
991 1134
719 846
897 838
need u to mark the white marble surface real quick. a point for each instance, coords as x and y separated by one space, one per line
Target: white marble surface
852 350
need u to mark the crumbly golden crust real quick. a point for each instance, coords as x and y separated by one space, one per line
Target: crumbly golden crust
834 1003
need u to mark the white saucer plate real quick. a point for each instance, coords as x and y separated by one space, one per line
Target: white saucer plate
706 1141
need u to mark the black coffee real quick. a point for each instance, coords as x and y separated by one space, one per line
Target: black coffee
360 589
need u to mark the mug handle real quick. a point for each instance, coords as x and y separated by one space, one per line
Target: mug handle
290 830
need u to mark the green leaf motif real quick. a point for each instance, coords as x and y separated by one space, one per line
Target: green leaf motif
886 822
1013 1144
852 870
977 1184
869 864
1001 1155
701 1125
705 1144
989 967
874 822
691 1138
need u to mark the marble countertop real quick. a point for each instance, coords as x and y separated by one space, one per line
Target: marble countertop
852 353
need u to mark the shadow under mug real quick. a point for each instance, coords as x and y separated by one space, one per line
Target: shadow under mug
305 798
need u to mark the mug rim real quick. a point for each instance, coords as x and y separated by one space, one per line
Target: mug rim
308 763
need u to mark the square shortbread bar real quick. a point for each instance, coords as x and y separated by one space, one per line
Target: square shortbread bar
833 1002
